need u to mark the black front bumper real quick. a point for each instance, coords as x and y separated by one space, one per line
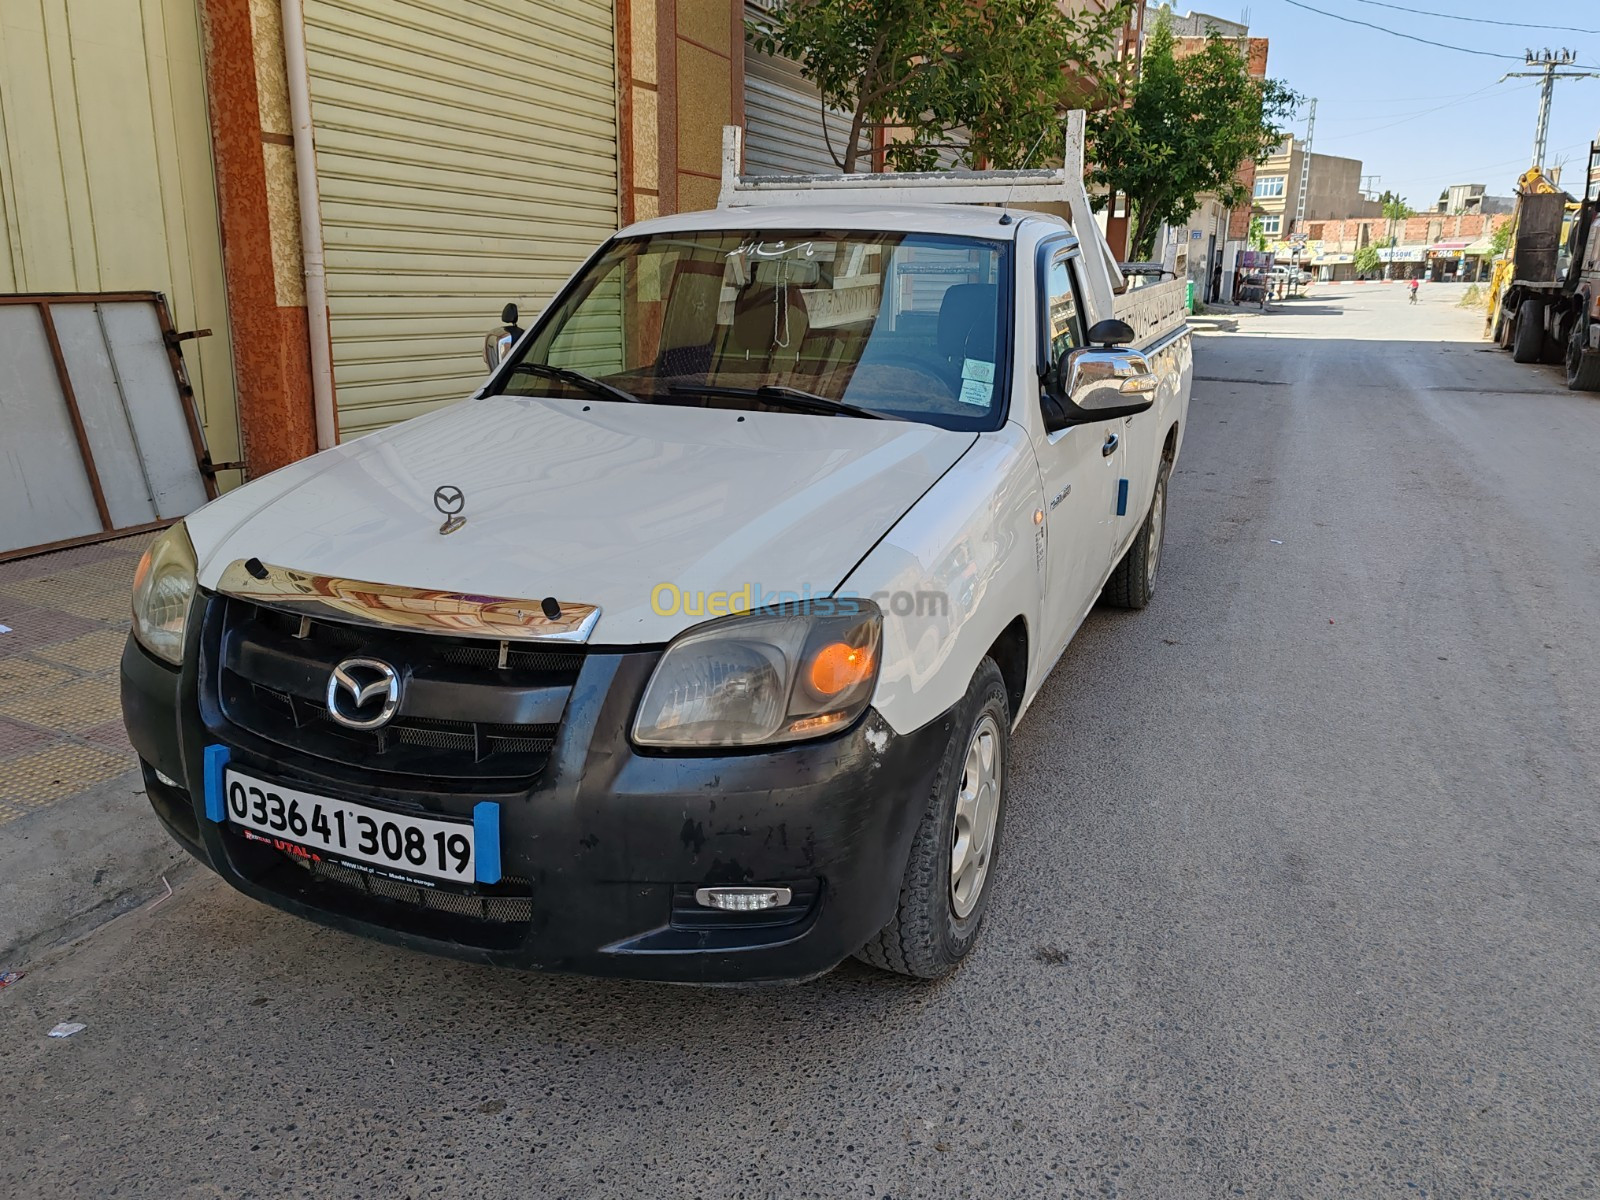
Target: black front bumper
601 854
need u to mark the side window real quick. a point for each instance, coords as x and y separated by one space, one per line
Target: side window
1061 309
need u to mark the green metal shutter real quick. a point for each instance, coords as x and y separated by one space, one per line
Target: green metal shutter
467 156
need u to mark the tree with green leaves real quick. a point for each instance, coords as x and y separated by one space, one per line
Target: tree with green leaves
1258 234
1395 208
989 82
1182 129
1500 239
1367 260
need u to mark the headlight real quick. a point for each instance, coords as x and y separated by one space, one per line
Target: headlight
163 586
765 677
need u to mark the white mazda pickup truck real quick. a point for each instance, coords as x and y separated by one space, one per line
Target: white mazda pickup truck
692 645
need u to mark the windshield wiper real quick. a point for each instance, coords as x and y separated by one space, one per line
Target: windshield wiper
782 397
577 379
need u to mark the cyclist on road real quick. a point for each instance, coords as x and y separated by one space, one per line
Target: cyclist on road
1414 285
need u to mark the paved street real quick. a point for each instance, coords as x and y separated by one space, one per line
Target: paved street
1298 896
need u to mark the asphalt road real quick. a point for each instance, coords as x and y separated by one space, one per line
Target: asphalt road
1298 897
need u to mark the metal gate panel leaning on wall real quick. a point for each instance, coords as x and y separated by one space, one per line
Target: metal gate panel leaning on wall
106 177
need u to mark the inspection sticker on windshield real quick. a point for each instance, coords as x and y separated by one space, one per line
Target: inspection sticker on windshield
976 368
974 391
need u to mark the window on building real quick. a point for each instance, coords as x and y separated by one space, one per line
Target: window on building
1272 223
1269 186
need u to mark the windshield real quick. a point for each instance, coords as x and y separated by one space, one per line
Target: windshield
889 324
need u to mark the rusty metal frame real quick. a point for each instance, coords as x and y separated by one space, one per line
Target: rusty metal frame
180 373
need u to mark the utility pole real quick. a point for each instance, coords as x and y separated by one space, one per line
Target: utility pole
1550 64
1305 171
1297 231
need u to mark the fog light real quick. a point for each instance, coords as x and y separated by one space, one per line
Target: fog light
164 778
742 899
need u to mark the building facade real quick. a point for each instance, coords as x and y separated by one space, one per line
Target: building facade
1332 189
347 200
1441 247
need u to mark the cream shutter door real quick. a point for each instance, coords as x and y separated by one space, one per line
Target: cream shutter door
467 156
783 115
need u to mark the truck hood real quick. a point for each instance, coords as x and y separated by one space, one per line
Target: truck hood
590 503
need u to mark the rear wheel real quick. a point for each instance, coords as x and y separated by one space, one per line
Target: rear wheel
945 890
1134 581
1527 340
1502 329
1583 370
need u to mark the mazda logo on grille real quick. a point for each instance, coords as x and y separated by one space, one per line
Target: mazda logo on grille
363 693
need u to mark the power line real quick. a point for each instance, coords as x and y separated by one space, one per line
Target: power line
1487 167
1409 37
1455 103
1422 12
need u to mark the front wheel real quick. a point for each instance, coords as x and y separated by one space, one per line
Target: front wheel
1134 581
1583 369
949 873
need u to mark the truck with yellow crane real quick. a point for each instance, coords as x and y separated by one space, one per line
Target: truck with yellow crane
1545 297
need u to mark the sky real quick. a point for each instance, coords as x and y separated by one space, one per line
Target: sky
1422 117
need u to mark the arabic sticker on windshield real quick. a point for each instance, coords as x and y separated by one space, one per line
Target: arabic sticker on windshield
976 368
977 392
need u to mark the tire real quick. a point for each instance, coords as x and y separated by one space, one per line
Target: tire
936 922
1583 370
1502 330
1134 581
1527 340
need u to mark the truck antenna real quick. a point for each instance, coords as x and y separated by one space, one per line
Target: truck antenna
1006 204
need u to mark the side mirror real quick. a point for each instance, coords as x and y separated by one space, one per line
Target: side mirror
1110 332
1099 384
497 343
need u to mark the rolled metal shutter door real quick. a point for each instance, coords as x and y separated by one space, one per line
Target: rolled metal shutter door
467 156
783 117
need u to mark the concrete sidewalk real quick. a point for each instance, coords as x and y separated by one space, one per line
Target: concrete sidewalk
78 843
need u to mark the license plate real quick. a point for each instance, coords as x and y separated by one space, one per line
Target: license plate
395 841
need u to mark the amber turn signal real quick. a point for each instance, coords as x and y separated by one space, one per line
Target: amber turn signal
838 666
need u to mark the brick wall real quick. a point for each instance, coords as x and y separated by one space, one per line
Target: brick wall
1422 230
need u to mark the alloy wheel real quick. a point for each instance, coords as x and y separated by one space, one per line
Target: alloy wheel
1158 517
977 815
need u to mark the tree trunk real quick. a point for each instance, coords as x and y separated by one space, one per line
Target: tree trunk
1144 236
853 150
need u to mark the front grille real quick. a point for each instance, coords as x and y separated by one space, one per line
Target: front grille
469 710
508 909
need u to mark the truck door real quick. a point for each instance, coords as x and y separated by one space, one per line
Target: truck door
1080 467
1139 458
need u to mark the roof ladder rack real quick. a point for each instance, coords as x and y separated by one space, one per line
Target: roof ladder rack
1063 185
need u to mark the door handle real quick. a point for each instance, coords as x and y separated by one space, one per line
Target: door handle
1110 446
